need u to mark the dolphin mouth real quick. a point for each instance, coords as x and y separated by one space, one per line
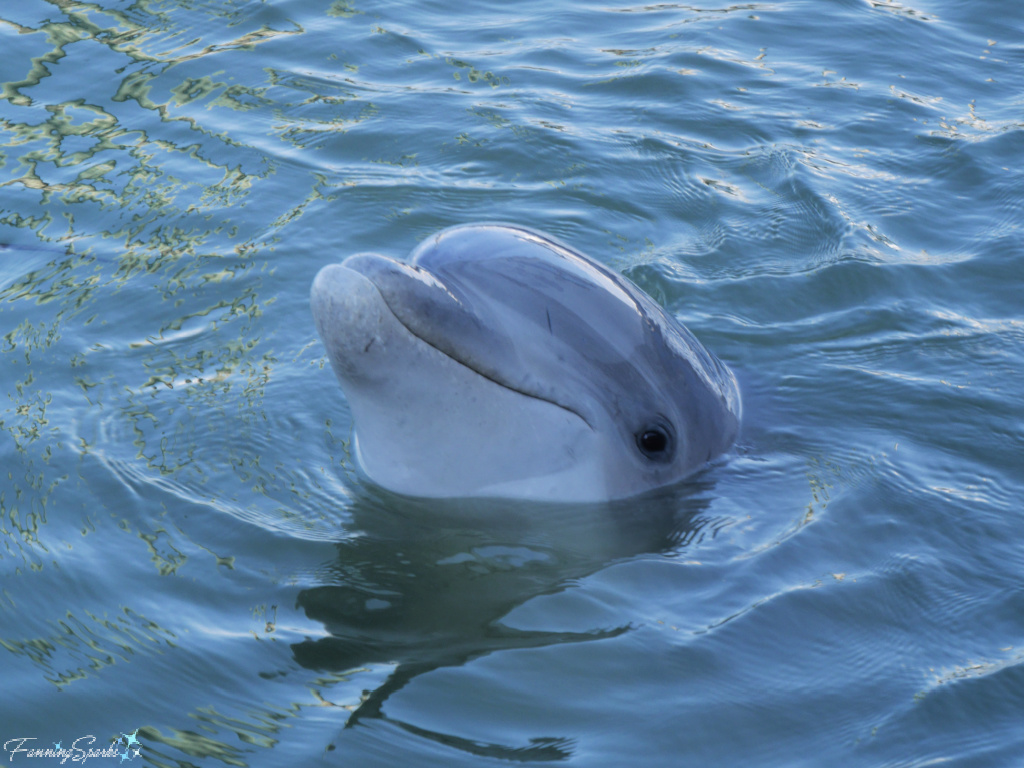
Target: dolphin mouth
448 349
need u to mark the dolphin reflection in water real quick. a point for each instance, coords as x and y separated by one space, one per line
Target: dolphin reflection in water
415 588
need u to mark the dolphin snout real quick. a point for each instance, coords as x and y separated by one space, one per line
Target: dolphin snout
350 316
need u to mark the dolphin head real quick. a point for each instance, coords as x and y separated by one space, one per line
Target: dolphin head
498 362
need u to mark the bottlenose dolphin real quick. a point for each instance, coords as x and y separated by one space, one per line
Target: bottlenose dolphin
501 363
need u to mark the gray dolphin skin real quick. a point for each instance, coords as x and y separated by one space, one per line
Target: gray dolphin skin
501 363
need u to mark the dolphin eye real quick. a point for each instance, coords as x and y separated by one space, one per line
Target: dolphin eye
654 442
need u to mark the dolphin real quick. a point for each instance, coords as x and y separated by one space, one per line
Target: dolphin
500 363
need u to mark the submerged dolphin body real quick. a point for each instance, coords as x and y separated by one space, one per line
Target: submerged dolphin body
501 363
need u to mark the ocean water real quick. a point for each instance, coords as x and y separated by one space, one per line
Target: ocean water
829 194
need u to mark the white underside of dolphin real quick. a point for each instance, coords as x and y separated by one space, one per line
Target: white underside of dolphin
500 363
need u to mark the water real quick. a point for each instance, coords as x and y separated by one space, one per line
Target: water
828 194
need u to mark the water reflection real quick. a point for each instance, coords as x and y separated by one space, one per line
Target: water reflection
131 275
82 643
420 588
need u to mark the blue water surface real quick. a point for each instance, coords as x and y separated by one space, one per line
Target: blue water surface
830 194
